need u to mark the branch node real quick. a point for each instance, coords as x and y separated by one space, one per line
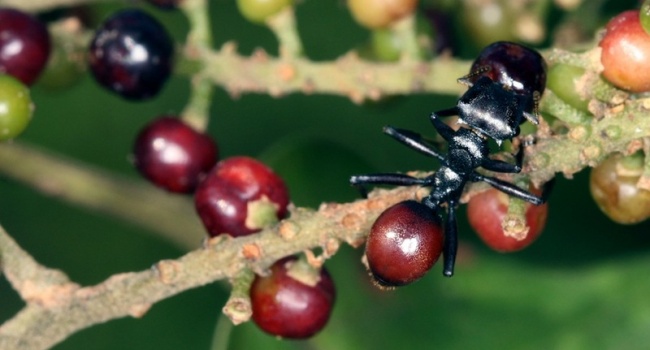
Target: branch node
251 251
288 229
168 271
139 310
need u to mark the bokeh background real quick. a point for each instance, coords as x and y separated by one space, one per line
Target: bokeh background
585 284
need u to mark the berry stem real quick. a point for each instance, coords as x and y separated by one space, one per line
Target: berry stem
514 222
407 34
283 25
199 42
238 307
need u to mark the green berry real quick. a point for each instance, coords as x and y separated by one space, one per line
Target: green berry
562 80
644 16
257 11
15 107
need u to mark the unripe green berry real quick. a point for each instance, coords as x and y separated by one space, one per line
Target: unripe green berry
562 80
258 11
15 107
644 16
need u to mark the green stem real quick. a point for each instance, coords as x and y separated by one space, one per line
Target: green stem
407 33
238 308
283 25
199 42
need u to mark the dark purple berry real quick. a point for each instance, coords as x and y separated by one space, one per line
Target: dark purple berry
174 156
517 67
165 4
131 55
24 45
404 243
288 306
234 186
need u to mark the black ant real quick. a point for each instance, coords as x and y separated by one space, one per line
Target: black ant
487 110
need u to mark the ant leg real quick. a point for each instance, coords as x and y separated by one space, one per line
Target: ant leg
505 167
443 129
450 247
412 140
500 166
508 188
358 181
450 244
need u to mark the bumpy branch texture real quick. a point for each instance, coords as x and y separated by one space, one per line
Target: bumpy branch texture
57 307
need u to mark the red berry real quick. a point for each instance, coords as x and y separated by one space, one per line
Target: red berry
486 211
235 186
174 156
404 243
131 55
292 308
24 45
626 52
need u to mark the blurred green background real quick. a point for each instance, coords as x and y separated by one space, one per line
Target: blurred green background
583 285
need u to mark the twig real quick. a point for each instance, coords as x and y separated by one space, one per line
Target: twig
172 216
40 326
42 5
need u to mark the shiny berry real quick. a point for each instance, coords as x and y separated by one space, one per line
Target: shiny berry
293 301
15 107
404 243
613 185
172 155
240 196
517 67
486 212
165 4
375 14
24 45
131 55
626 52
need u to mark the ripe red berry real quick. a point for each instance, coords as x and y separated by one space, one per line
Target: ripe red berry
131 55
404 243
626 52
236 196
24 45
486 211
172 155
517 67
291 307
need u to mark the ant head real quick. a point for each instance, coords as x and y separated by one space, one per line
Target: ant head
491 109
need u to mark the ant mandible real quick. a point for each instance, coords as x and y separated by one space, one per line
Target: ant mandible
487 110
